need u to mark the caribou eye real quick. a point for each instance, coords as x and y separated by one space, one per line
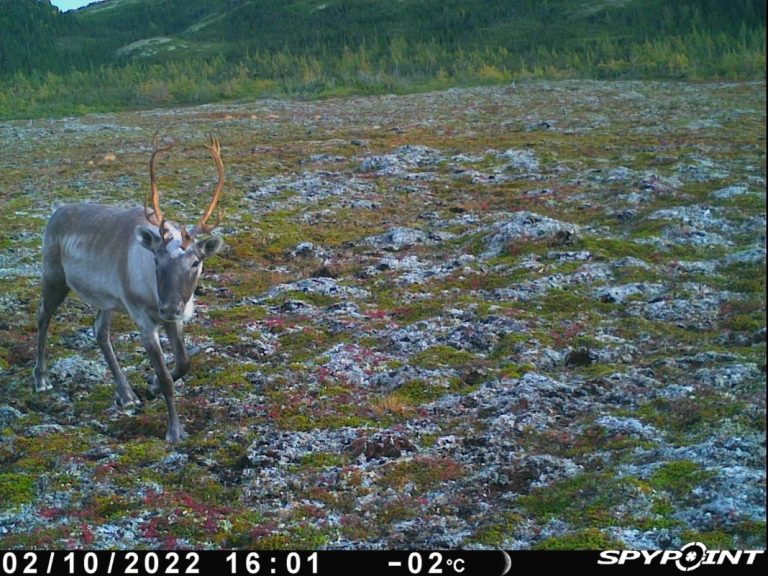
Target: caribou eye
196 263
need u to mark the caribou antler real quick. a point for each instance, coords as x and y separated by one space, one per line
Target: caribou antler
159 219
215 150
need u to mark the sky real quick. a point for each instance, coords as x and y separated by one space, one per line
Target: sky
70 4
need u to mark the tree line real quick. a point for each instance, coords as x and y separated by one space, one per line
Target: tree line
271 48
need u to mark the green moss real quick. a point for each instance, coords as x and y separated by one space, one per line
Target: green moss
423 472
44 454
509 345
16 489
223 374
587 539
239 527
713 540
323 460
415 311
304 537
591 440
678 478
314 298
397 511
417 392
746 315
587 500
227 339
109 507
514 371
750 534
39 538
304 344
561 303
98 399
442 356
305 422
596 370
498 532
692 415
143 452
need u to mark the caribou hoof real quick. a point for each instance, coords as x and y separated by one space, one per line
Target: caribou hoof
156 390
127 401
176 435
42 384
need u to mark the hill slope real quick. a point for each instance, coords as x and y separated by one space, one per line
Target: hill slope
127 53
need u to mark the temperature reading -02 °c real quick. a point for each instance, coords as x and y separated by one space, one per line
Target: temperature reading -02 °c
434 563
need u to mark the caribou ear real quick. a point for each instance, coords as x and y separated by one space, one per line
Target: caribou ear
209 246
148 237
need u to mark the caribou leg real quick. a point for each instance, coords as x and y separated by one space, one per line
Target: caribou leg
125 397
151 342
175 332
53 294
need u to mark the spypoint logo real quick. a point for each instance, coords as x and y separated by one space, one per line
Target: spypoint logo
687 559
694 554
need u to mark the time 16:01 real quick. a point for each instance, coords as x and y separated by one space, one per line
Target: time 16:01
293 563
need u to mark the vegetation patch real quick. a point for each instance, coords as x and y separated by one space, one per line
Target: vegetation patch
16 489
587 539
678 478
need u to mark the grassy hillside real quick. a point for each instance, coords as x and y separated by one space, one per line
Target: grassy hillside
136 53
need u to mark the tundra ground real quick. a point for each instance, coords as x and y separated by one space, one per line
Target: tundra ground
529 316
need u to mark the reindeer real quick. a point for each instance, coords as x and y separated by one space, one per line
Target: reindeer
132 261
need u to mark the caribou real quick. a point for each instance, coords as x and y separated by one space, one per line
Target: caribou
132 261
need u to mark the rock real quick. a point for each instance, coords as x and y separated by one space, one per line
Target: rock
99 453
620 294
295 307
303 249
524 226
76 371
401 238
630 427
702 170
700 312
620 174
527 473
44 429
381 445
405 263
579 357
750 256
8 414
580 255
657 184
696 216
321 286
537 125
173 462
730 192
520 161
685 235
401 160
309 187
731 377
398 239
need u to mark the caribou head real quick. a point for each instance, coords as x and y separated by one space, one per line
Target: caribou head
132 261
178 252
